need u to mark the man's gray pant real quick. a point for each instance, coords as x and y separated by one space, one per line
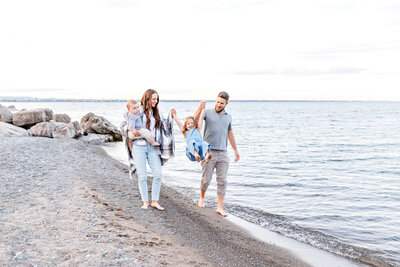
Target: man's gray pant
220 162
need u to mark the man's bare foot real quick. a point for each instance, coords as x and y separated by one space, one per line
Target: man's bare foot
145 205
155 144
208 157
156 205
201 203
222 213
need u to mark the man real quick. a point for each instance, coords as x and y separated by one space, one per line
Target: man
217 132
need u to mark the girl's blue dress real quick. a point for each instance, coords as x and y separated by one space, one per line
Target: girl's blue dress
194 140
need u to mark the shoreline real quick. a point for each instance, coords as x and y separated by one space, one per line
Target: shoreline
65 202
305 252
309 254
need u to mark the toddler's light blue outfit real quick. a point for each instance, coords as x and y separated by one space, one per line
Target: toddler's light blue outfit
194 140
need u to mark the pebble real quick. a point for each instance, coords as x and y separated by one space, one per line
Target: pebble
19 256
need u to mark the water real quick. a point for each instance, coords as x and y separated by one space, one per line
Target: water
325 173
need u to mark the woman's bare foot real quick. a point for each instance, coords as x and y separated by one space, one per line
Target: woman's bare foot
156 205
201 203
222 213
208 157
145 205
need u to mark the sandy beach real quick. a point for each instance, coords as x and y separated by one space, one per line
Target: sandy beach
63 202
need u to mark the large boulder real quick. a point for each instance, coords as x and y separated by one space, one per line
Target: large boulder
62 118
45 129
6 115
96 139
29 118
92 123
11 130
69 130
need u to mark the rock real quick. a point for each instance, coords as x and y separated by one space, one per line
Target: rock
96 139
45 129
6 115
12 108
62 118
29 118
92 123
12 130
69 130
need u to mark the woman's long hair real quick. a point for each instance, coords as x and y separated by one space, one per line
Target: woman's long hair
186 123
147 108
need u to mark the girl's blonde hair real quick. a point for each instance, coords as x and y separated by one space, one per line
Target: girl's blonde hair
186 122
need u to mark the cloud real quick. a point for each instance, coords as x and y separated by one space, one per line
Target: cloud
392 6
304 71
362 48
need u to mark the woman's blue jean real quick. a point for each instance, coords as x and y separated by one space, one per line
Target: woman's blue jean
140 155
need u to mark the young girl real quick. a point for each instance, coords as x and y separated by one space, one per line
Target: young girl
196 148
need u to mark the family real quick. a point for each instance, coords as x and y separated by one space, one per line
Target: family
149 138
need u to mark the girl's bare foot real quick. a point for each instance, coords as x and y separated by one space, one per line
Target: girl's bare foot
222 213
208 157
145 205
156 205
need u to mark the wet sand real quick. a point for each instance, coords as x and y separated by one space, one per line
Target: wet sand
63 202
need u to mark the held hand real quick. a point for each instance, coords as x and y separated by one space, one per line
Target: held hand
173 113
237 157
203 104
135 133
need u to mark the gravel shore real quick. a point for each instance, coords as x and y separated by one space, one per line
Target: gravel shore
63 202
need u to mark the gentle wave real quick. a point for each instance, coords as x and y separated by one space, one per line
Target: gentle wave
282 225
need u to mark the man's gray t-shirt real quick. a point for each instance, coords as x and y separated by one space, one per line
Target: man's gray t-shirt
216 128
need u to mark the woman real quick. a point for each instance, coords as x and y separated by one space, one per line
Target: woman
142 151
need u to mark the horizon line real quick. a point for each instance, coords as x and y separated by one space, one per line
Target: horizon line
35 99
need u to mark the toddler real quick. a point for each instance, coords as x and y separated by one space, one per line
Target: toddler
135 123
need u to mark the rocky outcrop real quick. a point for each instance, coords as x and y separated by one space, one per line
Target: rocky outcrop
42 122
69 130
28 118
6 115
92 123
12 130
62 118
96 139
45 129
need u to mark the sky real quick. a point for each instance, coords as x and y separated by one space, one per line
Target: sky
254 50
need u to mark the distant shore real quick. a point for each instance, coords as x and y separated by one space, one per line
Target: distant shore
32 99
66 202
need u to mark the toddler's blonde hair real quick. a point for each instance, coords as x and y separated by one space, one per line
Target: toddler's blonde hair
130 103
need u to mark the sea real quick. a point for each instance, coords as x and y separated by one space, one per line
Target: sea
326 173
